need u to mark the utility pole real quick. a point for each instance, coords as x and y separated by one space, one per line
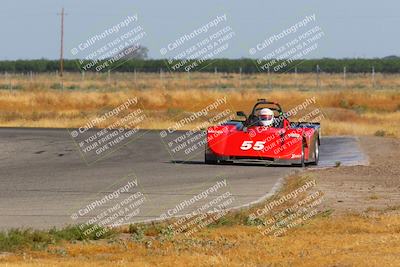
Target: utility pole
62 43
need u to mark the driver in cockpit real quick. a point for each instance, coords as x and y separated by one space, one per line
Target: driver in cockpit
266 117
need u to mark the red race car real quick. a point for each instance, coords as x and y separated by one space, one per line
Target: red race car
265 135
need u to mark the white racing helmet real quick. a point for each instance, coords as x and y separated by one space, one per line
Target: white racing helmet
266 116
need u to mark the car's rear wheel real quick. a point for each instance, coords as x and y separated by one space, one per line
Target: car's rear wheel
316 153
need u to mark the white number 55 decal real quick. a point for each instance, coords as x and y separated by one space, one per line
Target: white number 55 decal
259 145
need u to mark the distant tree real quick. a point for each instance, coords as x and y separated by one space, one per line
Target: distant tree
392 57
135 52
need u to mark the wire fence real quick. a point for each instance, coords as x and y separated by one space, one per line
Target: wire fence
216 80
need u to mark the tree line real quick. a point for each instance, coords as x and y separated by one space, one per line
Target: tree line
384 65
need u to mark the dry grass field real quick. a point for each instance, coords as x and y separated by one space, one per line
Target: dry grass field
357 105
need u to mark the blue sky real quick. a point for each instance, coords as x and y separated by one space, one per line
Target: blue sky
31 29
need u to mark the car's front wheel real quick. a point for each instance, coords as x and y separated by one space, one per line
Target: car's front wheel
302 161
210 157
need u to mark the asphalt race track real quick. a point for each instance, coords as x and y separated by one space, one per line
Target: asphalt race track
45 181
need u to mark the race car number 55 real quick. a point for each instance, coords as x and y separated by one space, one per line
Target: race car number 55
259 145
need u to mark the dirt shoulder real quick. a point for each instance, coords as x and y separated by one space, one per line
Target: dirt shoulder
365 188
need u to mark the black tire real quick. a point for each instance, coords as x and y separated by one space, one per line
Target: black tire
302 161
316 153
209 157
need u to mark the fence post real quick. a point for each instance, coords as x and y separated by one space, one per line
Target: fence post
240 77
295 78
373 77
83 75
6 78
318 81
344 76
269 78
215 74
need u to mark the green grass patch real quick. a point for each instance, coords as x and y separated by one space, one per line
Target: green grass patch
380 133
16 239
9 86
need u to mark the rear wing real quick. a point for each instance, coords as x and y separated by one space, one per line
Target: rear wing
303 124
315 125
